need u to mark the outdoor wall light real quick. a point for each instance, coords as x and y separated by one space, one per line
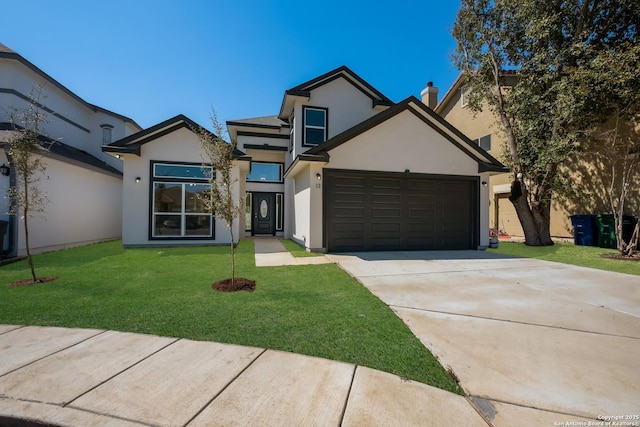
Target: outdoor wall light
318 176
138 179
519 175
5 170
484 183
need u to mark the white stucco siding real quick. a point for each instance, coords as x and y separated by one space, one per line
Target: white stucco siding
400 143
300 230
69 120
347 105
179 146
83 207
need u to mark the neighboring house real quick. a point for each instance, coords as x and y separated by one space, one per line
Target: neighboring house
485 130
84 185
339 168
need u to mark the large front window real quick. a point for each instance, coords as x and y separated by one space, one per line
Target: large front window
315 125
178 209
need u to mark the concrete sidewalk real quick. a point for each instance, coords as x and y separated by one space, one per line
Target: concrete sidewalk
87 377
269 252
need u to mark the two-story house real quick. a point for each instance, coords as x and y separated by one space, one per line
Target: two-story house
83 185
339 168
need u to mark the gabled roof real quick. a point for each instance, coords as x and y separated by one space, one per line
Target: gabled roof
268 122
133 143
304 90
486 162
66 153
269 126
459 82
7 53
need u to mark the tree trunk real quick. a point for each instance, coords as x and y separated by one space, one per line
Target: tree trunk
26 228
535 223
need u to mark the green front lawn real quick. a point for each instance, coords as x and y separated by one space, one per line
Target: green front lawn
296 250
567 253
317 310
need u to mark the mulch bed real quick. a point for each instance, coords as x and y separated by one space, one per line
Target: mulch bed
634 257
29 282
239 284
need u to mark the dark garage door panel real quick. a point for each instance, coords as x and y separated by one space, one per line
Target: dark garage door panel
369 211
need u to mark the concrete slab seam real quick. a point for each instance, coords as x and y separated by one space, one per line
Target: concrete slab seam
51 354
475 269
393 307
190 420
346 400
65 404
14 329
478 411
532 407
88 411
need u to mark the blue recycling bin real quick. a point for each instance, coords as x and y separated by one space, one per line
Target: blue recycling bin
584 230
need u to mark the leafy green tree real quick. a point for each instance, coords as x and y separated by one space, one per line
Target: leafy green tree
613 111
26 152
220 200
520 59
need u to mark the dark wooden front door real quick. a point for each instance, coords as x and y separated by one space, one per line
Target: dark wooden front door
264 214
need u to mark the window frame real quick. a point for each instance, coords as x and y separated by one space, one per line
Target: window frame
107 134
280 173
183 214
305 126
478 142
465 91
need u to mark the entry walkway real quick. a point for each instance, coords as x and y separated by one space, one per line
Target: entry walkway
88 377
270 253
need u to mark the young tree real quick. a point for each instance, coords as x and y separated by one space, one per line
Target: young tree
613 111
25 152
220 200
519 58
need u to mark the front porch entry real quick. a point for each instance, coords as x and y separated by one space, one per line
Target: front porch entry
263 214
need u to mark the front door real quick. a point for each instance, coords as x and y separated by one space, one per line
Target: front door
264 214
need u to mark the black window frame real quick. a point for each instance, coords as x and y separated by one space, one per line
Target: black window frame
153 179
281 173
304 124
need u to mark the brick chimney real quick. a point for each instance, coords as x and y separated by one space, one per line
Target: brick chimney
430 95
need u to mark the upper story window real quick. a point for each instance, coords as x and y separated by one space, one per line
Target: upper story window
106 134
465 92
315 125
484 142
265 172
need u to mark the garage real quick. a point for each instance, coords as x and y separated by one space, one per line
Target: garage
375 211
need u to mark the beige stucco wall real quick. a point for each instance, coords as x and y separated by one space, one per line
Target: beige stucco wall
179 146
476 125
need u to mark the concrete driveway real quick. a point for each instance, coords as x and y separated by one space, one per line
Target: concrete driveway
529 340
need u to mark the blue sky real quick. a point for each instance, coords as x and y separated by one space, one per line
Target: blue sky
153 59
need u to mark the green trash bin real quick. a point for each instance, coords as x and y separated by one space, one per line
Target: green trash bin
606 225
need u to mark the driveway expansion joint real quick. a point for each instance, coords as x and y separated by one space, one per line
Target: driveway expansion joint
518 322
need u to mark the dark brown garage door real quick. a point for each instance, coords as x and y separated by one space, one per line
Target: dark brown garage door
369 211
